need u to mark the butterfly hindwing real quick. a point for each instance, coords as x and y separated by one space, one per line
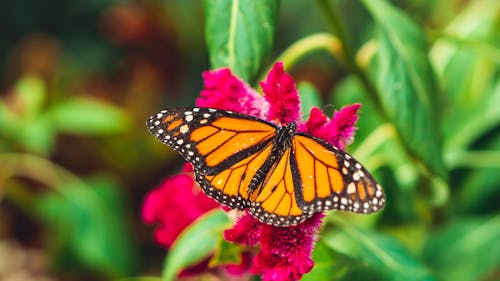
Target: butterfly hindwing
332 179
231 186
274 200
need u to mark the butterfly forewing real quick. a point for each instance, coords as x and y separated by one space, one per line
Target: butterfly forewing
208 138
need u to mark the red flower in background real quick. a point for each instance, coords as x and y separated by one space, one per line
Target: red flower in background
165 206
285 252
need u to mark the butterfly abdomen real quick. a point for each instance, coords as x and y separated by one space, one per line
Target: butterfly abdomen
282 141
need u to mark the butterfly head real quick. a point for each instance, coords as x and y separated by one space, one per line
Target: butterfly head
284 136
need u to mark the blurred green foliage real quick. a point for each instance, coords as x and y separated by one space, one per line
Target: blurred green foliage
80 77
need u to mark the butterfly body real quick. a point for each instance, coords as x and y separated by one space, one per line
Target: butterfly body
281 176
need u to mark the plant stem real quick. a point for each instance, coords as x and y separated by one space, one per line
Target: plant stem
44 171
376 138
473 159
301 48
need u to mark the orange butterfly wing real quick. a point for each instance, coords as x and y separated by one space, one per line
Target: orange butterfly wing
332 179
226 149
313 176
236 163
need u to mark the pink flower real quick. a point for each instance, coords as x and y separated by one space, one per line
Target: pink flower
285 252
246 231
281 93
225 91
174 205
339 131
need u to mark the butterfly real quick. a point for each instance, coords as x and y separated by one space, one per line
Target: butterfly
280 175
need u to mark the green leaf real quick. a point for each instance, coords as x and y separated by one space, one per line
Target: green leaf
31 92
405 83
383 254
470 31
226 253
309 97
88 227
466 57
36 135
465 250
195 243
87 117
330 265
20 118
240 34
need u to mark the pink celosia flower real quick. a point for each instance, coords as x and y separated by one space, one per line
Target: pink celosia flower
246 231
281 93
225 91
285 252
167 204
339 131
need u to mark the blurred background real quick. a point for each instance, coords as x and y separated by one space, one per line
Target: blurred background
79 78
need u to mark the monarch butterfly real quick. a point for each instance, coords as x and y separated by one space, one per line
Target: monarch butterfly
281 176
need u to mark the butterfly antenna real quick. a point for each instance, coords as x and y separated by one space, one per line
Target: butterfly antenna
328 109
323 108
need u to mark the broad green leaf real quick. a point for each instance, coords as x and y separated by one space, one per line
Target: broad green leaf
309 97
405 83
383 254
473 121
195 243
465 250
467 59
88 227
332 265
87 117
477 23
240 34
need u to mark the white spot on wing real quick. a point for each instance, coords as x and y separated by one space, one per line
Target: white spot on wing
351 188
184 129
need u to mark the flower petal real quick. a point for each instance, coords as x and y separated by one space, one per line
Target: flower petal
246 231
175 204
285 252
281 92
343 124
339 131
225 91
313 126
